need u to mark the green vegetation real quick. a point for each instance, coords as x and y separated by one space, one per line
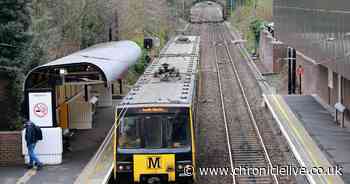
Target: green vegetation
249 18
14 35
34 32
15 42
139 68
255 27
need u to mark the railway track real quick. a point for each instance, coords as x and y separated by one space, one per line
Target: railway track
252 139
211 141
275 143
245 143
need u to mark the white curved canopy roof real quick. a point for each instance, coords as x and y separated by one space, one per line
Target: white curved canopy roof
112 58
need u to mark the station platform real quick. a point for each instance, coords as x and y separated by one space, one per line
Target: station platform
312 135
100 167
84 144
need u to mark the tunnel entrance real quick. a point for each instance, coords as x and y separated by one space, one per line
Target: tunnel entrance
207 12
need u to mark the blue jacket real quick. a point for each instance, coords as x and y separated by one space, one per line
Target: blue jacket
31 137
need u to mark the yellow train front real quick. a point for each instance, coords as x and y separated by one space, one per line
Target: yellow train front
155 128
155 145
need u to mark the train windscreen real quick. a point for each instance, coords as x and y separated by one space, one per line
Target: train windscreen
154 131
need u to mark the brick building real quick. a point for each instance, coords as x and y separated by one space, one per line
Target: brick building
11 148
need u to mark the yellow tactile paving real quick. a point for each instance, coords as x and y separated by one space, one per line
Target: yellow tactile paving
304 147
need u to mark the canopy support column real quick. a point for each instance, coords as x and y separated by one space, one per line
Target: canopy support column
120 86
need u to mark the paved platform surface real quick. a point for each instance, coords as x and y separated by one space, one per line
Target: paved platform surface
304 147
100 167
84 144
333 140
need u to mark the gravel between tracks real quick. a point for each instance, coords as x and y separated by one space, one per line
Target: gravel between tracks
276 144
211 142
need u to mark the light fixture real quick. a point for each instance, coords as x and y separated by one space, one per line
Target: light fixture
63 71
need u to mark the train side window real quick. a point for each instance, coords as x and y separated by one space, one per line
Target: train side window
177 132
129 133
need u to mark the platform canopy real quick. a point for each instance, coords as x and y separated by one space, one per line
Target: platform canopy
100 63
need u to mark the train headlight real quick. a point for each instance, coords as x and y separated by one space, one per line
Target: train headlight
124 167
120 167
128 167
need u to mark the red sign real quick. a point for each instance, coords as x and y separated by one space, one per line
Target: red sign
40 110
300 71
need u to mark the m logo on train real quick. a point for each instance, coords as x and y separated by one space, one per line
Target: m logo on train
153 162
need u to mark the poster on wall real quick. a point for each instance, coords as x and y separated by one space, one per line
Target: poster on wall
330 78
40 108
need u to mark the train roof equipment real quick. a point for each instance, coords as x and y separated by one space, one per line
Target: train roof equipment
182 46
170 79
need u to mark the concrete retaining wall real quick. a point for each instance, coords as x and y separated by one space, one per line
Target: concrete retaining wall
271 52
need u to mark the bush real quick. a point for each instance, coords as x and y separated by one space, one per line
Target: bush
255 27
249 20
13 96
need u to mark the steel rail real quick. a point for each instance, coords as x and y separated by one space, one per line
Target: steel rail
224 112
264 86
251 115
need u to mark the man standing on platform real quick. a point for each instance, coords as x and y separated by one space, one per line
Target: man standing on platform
32 136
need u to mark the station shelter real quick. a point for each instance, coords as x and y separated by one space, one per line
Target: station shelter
63 94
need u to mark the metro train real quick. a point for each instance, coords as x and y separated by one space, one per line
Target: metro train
155 141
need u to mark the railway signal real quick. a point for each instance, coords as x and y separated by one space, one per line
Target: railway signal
148 43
